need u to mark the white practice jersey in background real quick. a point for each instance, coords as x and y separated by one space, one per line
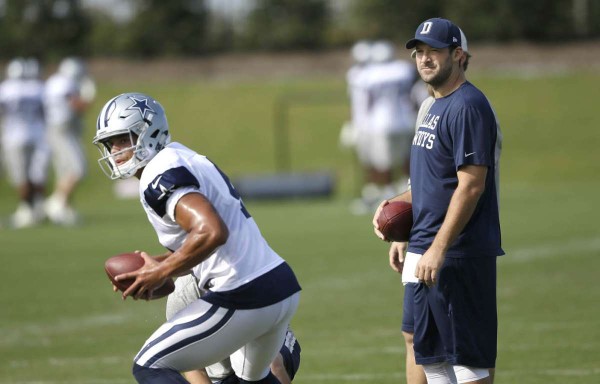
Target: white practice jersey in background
59 90
392 106
177 170
22 111
357 80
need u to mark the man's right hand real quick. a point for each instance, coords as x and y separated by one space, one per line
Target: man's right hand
376 216
397 253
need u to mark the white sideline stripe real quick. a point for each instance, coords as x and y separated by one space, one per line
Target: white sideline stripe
570 247
72 361
79 361
381 350
16 335
572 372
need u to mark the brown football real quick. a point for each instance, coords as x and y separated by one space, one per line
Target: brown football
129 262
396 220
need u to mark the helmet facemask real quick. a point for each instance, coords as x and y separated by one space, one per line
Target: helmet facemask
108 160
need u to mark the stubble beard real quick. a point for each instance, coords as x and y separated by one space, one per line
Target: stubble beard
441 77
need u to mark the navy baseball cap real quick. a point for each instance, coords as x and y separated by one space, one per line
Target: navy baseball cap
437 33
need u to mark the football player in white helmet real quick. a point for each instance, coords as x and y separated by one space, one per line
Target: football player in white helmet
361 55
25 151
384 97
250 293
148 133
69 93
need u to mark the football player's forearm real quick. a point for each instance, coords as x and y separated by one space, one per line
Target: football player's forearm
459 213
164 256
461 208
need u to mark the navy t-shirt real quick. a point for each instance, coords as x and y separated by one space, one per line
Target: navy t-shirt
459 129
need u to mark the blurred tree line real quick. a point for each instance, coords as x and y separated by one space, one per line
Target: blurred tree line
50 29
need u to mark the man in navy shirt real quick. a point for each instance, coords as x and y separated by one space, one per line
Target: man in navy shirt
455 238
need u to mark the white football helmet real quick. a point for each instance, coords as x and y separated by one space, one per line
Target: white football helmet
382 51
16 68
32 68
361 52
72 67
143 119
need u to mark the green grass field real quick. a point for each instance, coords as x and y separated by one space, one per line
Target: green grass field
61 323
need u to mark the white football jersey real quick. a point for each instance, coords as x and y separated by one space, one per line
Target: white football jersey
359 97
392 107
176 171
59 90
22 111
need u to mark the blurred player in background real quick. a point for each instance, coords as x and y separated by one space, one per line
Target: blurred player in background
251 293
356 79
391 92
357 93
284 366
69 93
24 147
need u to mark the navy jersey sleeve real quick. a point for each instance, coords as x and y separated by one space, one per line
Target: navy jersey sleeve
158 191
473 137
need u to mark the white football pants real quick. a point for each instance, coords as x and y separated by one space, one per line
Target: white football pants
204 333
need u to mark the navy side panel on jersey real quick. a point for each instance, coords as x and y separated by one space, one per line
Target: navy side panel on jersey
158 191
270 288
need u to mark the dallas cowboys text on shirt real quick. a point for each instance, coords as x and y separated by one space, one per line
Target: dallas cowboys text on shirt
423 138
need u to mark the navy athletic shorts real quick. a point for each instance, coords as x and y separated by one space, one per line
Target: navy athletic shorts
456 320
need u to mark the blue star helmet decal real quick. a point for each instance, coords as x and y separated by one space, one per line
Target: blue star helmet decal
141 105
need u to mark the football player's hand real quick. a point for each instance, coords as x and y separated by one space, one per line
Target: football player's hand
429 266
147 279
397 254
376 216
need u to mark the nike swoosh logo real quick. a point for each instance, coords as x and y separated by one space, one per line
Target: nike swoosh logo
469 154
155 183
